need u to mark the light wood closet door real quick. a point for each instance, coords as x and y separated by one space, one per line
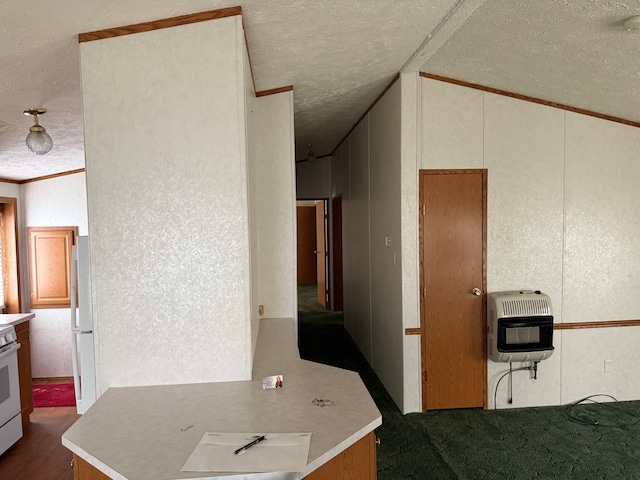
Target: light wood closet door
453 239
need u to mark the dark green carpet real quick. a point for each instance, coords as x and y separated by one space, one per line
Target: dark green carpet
590 441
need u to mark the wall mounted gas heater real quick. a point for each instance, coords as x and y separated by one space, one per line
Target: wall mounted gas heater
520 326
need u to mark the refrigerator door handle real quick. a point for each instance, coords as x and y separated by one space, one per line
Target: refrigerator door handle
74 341
74 361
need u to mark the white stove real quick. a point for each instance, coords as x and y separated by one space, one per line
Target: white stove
10 418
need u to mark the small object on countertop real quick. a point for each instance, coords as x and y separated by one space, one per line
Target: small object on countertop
274 381
243 449
322 403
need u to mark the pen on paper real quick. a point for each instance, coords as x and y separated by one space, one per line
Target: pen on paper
249 445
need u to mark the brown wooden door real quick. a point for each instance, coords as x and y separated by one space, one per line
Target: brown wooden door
321 253
453 252
306 241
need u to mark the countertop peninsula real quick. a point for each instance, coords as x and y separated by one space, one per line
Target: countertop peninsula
145 433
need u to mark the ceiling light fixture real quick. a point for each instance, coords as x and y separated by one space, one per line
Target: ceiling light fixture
311 157
38 140
632 23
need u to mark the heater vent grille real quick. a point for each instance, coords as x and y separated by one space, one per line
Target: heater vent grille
524 307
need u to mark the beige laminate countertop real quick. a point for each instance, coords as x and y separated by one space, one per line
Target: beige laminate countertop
147 433
15 319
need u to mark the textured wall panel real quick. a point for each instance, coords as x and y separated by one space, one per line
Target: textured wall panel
452 126
584 354
166 176
602 226
524 150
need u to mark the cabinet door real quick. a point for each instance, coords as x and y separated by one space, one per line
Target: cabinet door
358 462
50 266
83 470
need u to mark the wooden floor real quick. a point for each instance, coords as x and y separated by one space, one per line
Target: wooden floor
39 454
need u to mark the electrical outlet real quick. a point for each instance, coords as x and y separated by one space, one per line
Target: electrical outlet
608 366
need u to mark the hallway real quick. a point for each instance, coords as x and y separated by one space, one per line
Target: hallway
405 452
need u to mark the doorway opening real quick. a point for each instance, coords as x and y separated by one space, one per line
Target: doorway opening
313 250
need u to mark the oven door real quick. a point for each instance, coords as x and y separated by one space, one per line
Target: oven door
9 383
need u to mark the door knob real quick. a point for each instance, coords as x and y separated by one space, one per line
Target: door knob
476 291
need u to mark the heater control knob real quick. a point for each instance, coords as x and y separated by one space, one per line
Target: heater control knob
476 291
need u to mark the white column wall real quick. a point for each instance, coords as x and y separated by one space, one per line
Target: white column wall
253 148
562 192
167 202
276 205
55 202
410 125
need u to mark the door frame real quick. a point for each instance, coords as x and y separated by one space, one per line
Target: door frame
337 303
423 297
327 235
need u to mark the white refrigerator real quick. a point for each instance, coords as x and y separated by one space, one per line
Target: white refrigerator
82 347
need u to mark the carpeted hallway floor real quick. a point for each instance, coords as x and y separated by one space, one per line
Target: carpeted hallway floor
588 442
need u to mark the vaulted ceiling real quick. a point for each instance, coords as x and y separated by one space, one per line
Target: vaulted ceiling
338 55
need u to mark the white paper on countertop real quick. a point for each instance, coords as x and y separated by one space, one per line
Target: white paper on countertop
279 452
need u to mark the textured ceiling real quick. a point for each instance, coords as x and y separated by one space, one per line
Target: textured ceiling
338 55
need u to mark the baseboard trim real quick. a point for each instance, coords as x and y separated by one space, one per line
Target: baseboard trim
42 380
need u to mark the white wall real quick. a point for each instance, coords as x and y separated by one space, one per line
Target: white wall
357 217
253 148
410 145
562 192
387 332
168 204
341 181
523 151
55 202
368 167
276 205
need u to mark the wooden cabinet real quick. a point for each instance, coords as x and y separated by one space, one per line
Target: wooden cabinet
358 462
50 266
24 372
82 470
